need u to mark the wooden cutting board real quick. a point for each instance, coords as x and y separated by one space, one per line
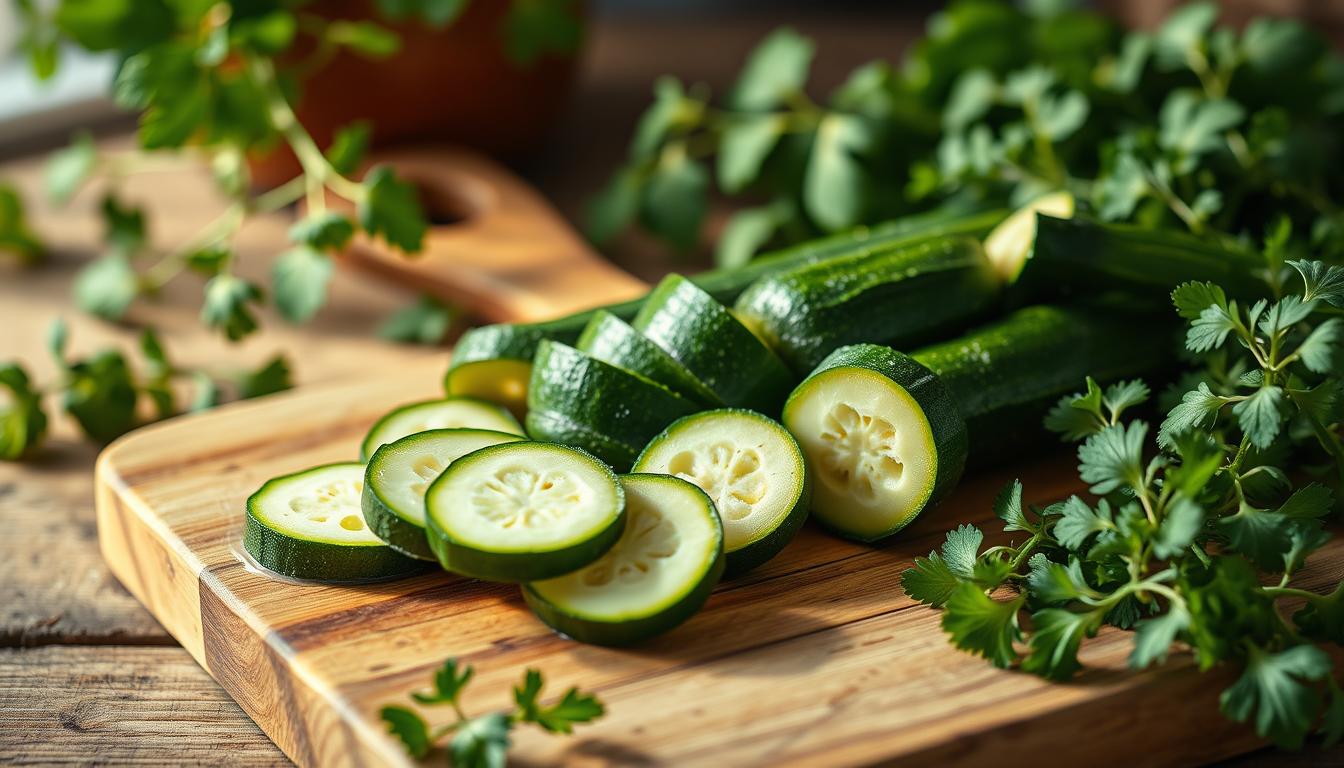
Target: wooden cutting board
817 658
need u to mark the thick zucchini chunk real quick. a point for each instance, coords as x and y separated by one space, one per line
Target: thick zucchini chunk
308 525
1005 375
882 437
897 296
494 361
448 413
657 575
752 469
523 512
700 333
610 412
1009 245
611 340
400 472
1082 256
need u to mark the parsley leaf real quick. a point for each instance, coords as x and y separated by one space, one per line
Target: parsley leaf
299 279
573 707
777 68
23 423
1198 410
933 579
481 742
391 208
1153 637
1055 640
981 625
1273 689
409 728
448 684
1078 521
1261 415
1113 458
226 307
1184 519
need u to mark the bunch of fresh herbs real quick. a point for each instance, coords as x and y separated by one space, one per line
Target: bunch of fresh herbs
1193 126
1196 539
483 741
104 395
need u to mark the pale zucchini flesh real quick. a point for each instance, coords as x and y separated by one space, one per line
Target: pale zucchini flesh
309 525
523 511
444 413
658 574
1009 244
749 466
400 472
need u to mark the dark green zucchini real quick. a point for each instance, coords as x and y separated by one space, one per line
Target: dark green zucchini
899 296
703 335
1082 256
493 361
581 401
611 340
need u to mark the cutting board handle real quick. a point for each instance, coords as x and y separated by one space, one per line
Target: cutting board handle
495 246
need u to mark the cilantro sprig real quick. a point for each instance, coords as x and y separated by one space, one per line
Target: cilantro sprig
483 741
1192 538
107 397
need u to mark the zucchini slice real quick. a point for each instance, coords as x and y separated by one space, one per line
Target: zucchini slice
611 340
882 437
657 575
896 295
494 361
523 511
1009 245
448 413
752 469
700 333
308 525
610 412
400 472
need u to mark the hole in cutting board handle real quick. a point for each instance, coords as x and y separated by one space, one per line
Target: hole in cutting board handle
450 201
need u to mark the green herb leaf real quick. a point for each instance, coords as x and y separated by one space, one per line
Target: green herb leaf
1078 522
541 27
612 210
573 707
749 230
409 728
981 625
674 200
1153 637
1320 352
107 286
270 378
328 231
449 682
1321 282
16 239
1078 416
349 146
227 305
481 742
101 396
1055 640
68 169
1008 507
1274 689
299 279
1210 329
1182 521
743 148
427 321
1113 458
1260 415
1052 583
776 69
933 579
23 423
1198 410
391 208
835 186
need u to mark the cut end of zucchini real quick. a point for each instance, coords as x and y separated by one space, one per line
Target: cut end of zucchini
655 577
749 466
502 381
1009 245
309 525
880 436
523 511
400 473
447 413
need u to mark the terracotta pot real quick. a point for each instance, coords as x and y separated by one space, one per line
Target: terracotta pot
453 84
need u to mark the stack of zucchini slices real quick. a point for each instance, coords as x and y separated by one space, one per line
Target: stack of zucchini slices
854 378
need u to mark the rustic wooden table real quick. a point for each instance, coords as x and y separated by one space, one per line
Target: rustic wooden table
86 675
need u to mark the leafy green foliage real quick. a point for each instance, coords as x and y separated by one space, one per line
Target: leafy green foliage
23 423
483 741
16 238
1195 542
427 321
391 208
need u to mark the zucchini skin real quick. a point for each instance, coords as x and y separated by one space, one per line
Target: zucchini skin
1082 256
519 341
578 400
705 337
630 632
611 340
319 560
1006 375
938 403
402 535
898 296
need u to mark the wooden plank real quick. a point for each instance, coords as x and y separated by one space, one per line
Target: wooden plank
121 706
818 658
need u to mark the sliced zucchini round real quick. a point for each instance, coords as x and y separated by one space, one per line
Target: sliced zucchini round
400 472
1011 242
308 525
611 340
751 468
447 413
523 511
657 575
882 436
700 333
612 413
